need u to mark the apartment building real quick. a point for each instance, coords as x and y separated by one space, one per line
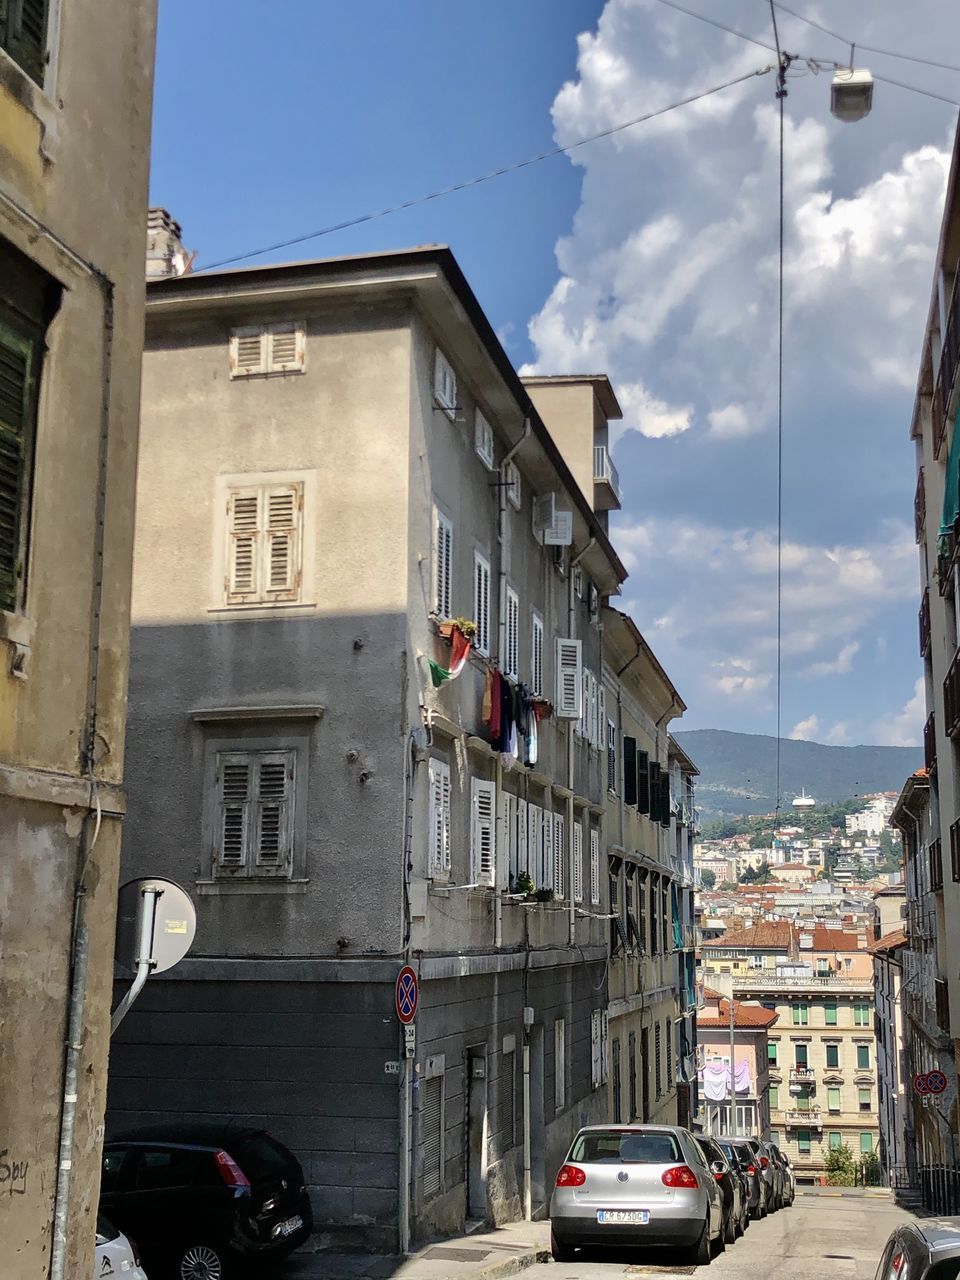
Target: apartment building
936 440
893 1080
740 951
369 725
75 104
684 827
750 1069
823 1064
647 1057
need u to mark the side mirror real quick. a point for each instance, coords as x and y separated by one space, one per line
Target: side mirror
718 1168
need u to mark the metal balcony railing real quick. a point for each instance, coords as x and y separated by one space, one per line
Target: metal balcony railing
943 1004
804 1119
935 856
604 472
950 354
924 618
951 698
930 744
802 1075
955 850
920 506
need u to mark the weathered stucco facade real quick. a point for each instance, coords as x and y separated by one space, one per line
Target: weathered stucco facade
75 99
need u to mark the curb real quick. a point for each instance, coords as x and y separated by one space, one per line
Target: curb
510 1266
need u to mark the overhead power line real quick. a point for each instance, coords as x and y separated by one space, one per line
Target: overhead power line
886 53
485 177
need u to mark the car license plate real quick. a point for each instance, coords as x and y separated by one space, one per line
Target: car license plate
290 1226
630 1217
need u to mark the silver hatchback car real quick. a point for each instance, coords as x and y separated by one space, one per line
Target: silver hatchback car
636 1185
924 1250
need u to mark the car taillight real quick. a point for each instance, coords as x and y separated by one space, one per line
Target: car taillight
751 1169
680 1176
570 1176
897 1263
230 1171
764 1162
718 1176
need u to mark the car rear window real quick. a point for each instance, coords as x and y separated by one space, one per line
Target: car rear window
260 1156
613 1147
733 1152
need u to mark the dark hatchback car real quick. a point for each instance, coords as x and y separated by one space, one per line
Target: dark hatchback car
750 1164
731 1184
203 1200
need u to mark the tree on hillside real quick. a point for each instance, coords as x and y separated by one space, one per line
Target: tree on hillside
762 875
708 879
762 840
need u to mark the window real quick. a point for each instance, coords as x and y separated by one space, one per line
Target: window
508 1097
654 927
535 844
830 1014
159 1170
865 1099
536 655
833 1055
863 1057
483 439
835 1140
657 1073
801 1015
509 842
568 679
431 1132
617 1105
668 1032
643 782
629 770
775 1137
445 386
512 656
772 1053
833 1099
547 864
800 1056
23 35
511 474
278 348
632 1075
594 867
255 828
439 829
559 854
665 921
774 1097
598 1048
481 603
861 1015
483 840
611 756
443 565
866 1144
559 1065
803 1141
577 861
264 536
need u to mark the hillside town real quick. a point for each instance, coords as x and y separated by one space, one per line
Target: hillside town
358 913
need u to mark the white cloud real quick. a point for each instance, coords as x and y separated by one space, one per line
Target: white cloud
730 422
806 730
839 666
838 735
649 415
902 728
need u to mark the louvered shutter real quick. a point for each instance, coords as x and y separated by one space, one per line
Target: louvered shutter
594 866
577 862
19 364
611 756
559 855
569 675
547 867
443 556
283 511
523 837
23 33
507 842
481 602
604 1036
629 770
534 844
439 818
664 799
513 634
595 1049
584 704
431 1134
275 778
654 791
643 782
536 646
601 717
483 842
248 352
243 558
285 349
234 781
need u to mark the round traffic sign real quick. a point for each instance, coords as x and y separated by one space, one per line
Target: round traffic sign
174 924
936 1082
407 995
921 1082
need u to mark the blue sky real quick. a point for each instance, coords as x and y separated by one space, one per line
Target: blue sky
651 255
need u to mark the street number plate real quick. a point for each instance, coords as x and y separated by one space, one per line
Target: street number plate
630 1217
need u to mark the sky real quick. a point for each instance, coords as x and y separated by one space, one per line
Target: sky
650 255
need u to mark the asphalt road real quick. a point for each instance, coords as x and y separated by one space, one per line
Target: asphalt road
824 1236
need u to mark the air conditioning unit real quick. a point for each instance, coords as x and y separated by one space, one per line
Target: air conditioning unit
544 510
560 533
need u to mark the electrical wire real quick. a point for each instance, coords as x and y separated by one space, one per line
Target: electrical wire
781 98
886 53
671 4
485 177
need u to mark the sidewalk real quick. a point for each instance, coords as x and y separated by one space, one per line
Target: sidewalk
484 1255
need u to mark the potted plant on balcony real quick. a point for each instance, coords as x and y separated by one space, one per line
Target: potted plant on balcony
544 895
523 883
447 626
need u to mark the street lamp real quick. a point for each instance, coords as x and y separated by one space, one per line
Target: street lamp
851 94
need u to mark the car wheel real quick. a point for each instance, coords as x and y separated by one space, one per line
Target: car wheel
203 1261
744 1222
730 1229
561 1252
700 1253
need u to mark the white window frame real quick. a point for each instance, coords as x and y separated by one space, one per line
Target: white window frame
483 833
442 564
577 861
559 854
438 858
251 864
445 386
268 361
523 837
511 659
536 654
514 485
535 843
568 702
594 866
600 726
547 861
481 603
508 840
483 439
612 756
559 1065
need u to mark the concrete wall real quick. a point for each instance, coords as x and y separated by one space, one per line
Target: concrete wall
74 155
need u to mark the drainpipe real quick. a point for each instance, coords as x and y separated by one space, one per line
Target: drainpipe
572 933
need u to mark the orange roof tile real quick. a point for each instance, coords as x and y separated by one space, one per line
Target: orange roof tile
773 935
891 941
825 939
746 1017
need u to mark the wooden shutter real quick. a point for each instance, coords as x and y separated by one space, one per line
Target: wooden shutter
523 837
19 365
23 33
578 862
584 704
513 634
559 855
643 782
248 352
274 829
611 756
483 836
282 561
629 770
547 865
481 602
514 492
594 866
569 675
604 1036
595 1023
243 534
443 566
439 819
534 843
601 729
654 791
234 783
431 1134
507 843
664 799
285 349
536 654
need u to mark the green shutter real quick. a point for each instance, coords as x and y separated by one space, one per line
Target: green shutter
18 371
643 782
23 33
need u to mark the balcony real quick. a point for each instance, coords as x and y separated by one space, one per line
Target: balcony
830 982
920 507
930 744
924 617
935 858
803 1119
955 850
943 1004
951 698
949 356
939 419
606 481
802 1075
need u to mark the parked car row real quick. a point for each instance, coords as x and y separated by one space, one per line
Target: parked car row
661 1186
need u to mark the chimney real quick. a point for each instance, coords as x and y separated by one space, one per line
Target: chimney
166 255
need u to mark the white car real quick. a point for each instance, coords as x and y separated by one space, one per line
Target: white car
115 1255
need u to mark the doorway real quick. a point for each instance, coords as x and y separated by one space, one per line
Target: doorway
538 1177
477 1136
